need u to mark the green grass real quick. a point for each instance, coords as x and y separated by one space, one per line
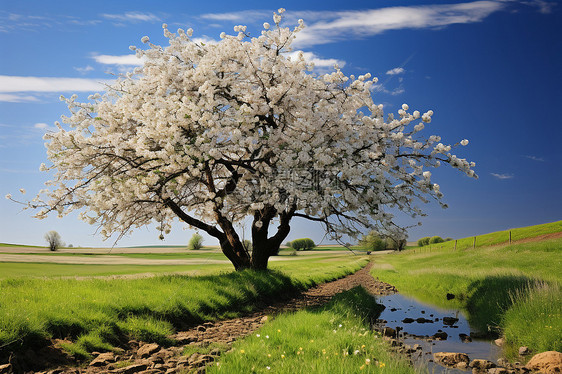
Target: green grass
332 339
98 313
25 270
499 237
492 285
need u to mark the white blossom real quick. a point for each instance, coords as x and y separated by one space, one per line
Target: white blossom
236 129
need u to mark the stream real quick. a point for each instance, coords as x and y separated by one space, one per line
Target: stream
418 322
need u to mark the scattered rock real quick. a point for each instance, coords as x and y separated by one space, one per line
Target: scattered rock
389 331
424 320
103 359
502 362
549 362
147 350
450 296
482 364
6 369
499 342
450 321
462 365
417 347
440 335
201 328
498 371
131 369
465 338
523 351
202 361
451 359
408 320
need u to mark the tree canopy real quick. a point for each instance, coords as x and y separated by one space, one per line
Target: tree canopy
215 133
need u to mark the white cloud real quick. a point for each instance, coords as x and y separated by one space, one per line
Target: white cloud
16 98
245 16
128 60
48 84
535 158
41 125
205 40
318 62
84 70
395 71
132 17
502 176
359 24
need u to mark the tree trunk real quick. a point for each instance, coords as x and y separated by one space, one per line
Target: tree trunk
260 254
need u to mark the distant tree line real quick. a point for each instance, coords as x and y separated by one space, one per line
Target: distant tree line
432 240
303 244
375 241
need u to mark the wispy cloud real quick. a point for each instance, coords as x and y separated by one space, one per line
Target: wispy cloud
535 158
11 84
503 176
17 98
364 23
241 16
395 71
84 70
132 17
322 63
125 60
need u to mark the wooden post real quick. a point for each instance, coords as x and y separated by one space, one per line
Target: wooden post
455 245
509 236
474 243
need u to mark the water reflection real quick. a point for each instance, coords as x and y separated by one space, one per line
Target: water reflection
420 323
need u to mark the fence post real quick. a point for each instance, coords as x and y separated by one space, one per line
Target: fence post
509 236
474 243
455 245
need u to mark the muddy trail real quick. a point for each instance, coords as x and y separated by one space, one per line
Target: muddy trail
207 340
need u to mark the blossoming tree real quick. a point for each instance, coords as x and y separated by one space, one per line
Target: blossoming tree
213 134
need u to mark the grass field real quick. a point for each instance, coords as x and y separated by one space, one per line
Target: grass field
507 289
98 313
332 339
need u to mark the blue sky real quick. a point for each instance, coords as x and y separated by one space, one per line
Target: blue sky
490 70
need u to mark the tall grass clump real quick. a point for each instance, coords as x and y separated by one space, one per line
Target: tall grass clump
538 308
331 339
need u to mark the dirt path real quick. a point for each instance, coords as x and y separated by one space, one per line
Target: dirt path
145 358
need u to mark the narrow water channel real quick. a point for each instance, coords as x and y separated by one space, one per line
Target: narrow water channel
418 322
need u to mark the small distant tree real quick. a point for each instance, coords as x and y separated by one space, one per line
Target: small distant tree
436 239
423 241
303 244
196 242
372 242
53 240
395 244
